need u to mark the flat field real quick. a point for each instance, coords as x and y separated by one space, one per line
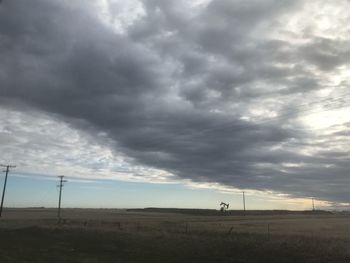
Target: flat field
108 235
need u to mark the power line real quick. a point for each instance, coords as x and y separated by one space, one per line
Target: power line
302 108
5 183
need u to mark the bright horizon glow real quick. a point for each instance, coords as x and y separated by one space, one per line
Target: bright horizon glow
26 191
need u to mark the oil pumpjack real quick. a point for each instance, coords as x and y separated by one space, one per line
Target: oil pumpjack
224 207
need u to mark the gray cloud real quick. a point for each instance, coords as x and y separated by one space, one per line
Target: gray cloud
178 90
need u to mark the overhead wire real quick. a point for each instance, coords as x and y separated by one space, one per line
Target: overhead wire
241 124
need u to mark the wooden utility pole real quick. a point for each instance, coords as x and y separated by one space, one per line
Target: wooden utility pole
60 196
244 202
5 182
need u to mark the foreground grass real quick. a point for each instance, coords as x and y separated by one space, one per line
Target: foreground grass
36 245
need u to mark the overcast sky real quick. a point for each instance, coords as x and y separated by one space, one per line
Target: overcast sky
223 94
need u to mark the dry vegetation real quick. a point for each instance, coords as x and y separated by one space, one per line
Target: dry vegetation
33 235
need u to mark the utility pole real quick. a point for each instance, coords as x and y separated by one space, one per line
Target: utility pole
244 202
5 182
60 195
313 205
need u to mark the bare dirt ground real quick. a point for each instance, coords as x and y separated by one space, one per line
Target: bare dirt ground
108 235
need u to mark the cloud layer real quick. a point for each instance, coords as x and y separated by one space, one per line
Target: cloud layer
224 91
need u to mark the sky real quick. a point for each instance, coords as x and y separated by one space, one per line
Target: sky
176 103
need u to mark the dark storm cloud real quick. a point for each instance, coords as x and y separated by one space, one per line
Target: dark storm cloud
326 53
172 90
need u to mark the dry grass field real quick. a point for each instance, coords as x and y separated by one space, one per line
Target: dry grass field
106 235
